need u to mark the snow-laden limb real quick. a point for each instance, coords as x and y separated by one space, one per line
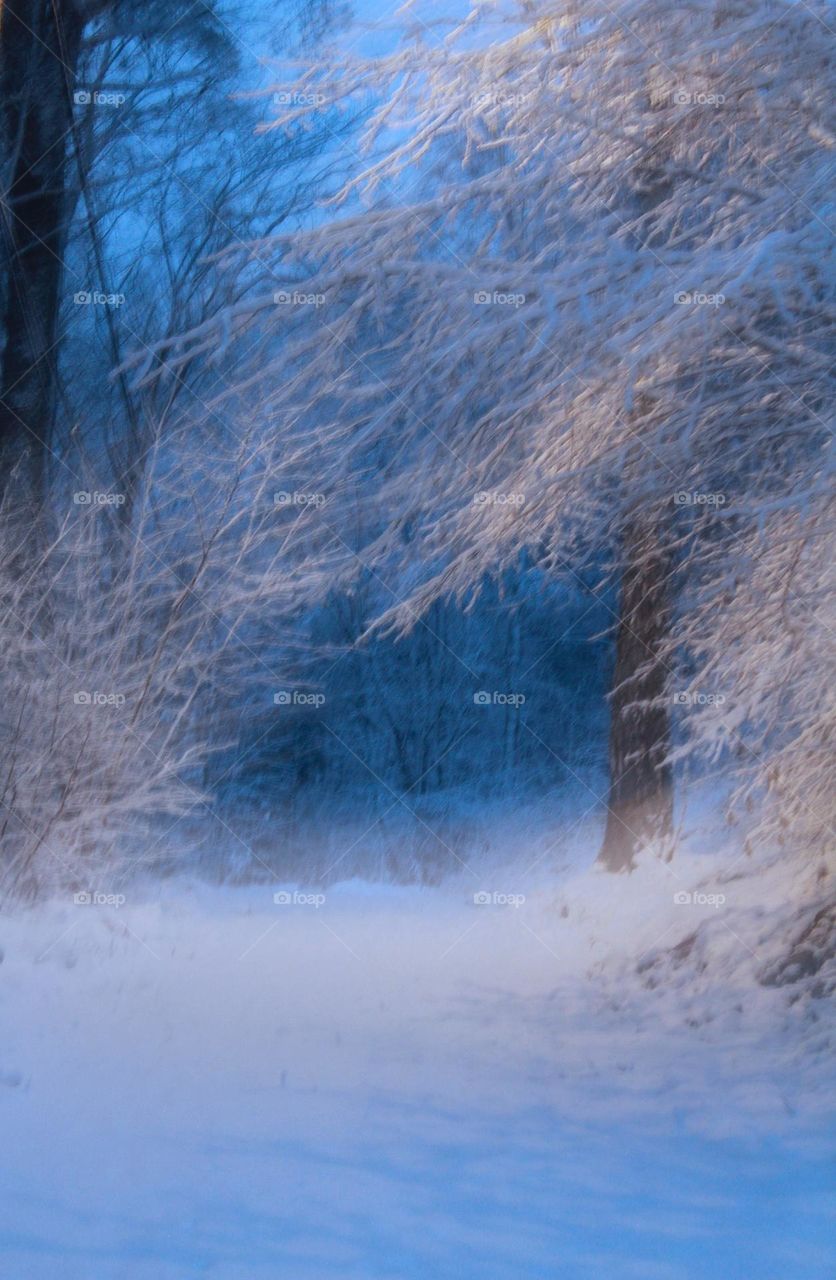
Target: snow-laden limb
131 641
610 295
761 637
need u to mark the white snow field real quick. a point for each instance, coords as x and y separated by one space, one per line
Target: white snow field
403 1082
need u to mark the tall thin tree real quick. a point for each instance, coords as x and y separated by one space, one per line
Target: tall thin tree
40 42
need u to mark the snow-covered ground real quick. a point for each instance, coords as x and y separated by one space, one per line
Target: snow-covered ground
407 1082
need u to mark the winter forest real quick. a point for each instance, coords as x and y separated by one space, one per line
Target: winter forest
417 519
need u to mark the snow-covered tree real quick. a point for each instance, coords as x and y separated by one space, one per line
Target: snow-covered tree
160 547
578 301
43 46
121 673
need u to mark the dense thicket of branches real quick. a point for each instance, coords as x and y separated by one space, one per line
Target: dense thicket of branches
558 366
136 538
609 295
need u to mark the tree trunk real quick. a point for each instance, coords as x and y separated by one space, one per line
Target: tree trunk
39 47
640 801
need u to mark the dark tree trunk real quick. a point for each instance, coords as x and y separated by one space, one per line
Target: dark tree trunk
640 801
39 47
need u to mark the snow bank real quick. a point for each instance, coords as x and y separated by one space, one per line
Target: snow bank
506 1077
